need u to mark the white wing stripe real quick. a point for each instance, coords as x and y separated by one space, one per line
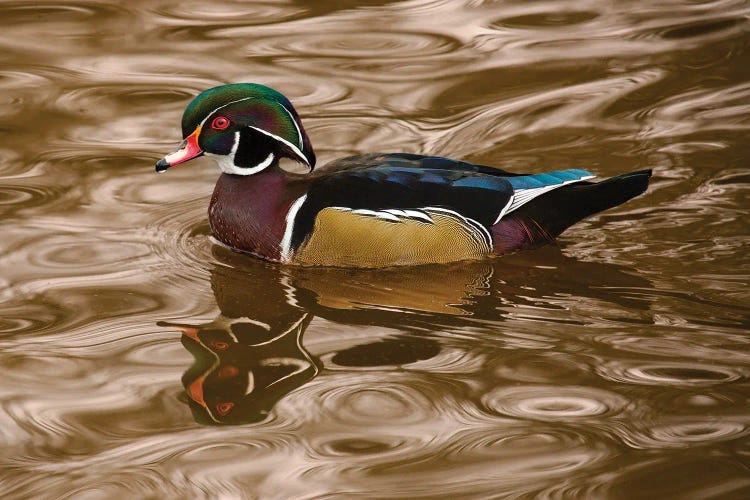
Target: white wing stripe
469 221
391 214
415 214
523 196
379 215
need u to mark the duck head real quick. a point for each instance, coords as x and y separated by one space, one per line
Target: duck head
246 127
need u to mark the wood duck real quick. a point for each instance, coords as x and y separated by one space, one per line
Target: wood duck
373 210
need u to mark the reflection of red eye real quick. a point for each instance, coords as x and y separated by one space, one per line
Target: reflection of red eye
219 123
219 345
228 371
224 408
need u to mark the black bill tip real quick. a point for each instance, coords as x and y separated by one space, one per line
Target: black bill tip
162 165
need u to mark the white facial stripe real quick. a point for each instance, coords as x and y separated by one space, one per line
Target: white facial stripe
260 166
299 132
231 334
286 241
226 162
277 337
245 319
294 148
301 365
224 106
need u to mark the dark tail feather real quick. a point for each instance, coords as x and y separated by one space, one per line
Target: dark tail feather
542 219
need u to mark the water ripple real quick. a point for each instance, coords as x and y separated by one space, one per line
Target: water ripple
23 197
194 14
553 403
108 100
376 402
670 373
688 433
20 88
368 46
549 19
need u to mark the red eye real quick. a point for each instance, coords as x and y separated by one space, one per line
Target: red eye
219 123
224 408
219 345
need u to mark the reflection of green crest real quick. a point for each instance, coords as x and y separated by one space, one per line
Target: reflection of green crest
241 369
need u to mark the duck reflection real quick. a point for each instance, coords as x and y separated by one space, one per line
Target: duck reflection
252 354
243 366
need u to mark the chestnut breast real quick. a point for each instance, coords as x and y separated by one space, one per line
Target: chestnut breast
248 213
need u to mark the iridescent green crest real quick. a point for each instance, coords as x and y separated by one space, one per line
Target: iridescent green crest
251 105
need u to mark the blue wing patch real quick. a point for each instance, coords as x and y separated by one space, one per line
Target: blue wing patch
548 179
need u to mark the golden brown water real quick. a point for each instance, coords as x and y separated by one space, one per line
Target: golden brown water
615 365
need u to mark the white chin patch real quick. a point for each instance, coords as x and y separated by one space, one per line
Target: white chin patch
226 162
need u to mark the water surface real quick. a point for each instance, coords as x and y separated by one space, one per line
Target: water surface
139 359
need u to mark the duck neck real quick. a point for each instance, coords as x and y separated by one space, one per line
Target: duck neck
249 212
